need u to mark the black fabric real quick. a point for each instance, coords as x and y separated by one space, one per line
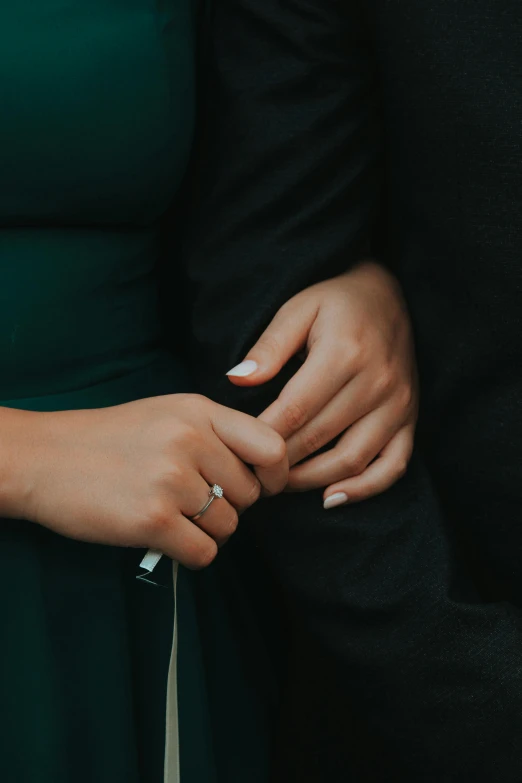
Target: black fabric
414 667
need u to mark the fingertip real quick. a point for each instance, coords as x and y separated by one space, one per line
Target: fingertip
254 374
334 500
276 448
243 370
273 479
279 451
250 381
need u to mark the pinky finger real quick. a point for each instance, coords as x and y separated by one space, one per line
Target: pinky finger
184 541
379 476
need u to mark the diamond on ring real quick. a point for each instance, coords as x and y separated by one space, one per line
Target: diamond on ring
214 492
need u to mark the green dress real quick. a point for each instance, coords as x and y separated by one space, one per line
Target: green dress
96 123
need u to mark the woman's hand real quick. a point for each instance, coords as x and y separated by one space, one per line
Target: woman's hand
358 381
134 474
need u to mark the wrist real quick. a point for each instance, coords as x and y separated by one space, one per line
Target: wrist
20 445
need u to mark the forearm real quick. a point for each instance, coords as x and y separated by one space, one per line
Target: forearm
290 166
19 441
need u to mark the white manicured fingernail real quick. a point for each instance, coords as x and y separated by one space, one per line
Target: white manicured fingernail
243 369
335 500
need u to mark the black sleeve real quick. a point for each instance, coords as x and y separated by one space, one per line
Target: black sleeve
288 162
287 194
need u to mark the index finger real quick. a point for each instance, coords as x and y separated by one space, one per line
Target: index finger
256 443
312 387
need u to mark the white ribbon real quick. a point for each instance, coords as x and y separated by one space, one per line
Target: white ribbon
171 765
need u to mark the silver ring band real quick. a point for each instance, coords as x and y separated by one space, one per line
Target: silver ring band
215 492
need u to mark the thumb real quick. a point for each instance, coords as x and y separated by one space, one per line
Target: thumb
282 339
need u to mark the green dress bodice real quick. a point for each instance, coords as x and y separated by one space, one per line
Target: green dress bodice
96 101
97 108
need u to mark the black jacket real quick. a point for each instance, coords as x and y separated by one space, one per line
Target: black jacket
322 117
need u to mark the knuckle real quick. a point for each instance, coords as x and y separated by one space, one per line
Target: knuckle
405 396
385 381
343 355
185 434
175 475
158 516
204 555
254 493
230 523
402 463
354 355
313 440
269 344
193 404
401 468
353 463
190 399
294 415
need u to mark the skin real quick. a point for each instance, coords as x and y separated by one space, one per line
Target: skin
134 474
358 381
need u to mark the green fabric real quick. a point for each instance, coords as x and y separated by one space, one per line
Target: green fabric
96 104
